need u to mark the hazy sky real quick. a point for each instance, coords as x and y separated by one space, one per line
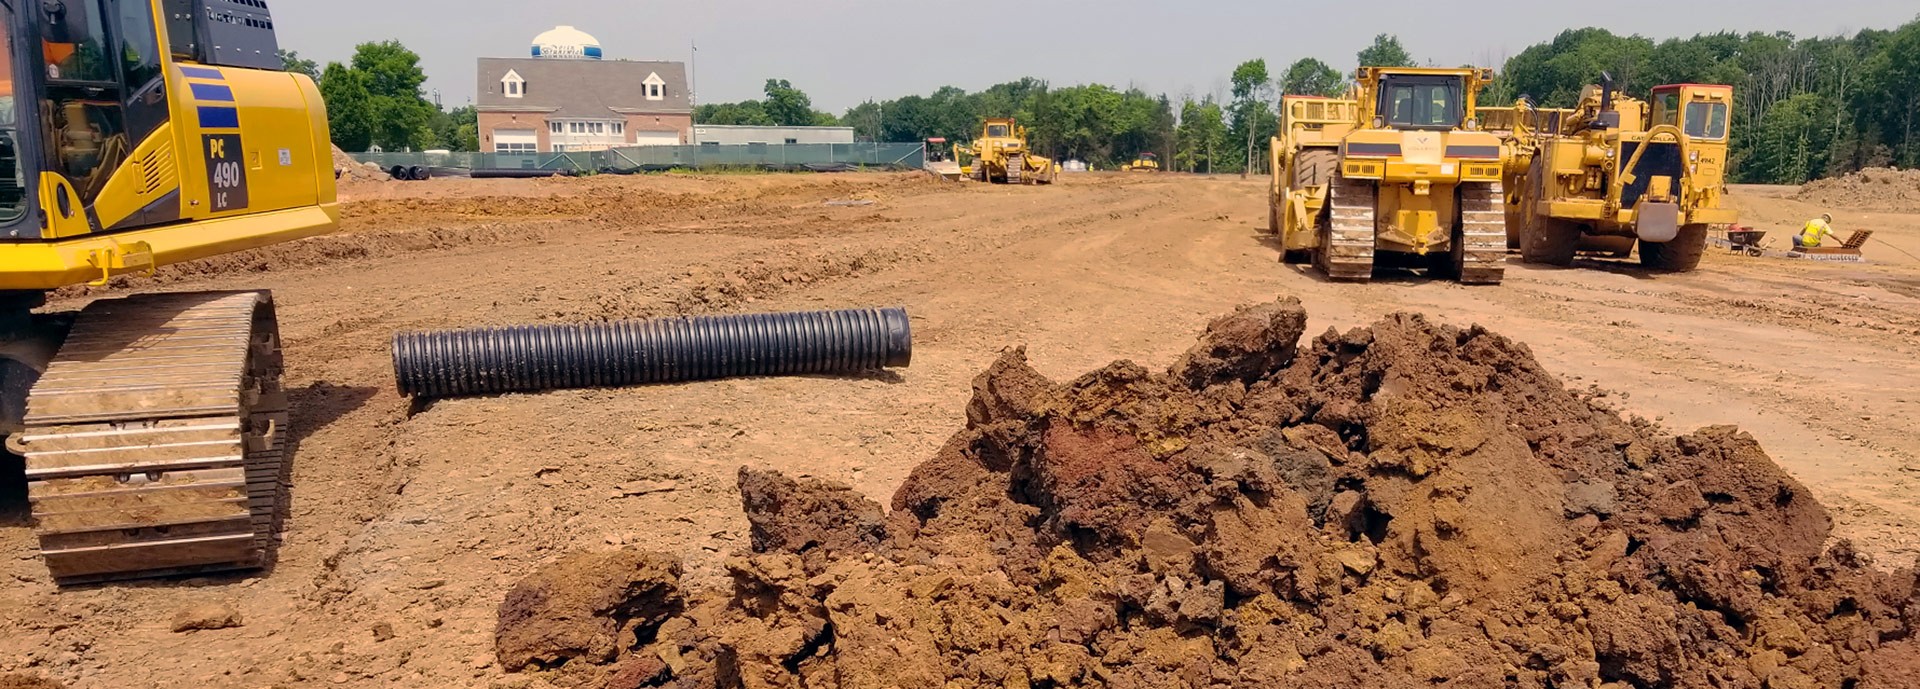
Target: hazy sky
842 52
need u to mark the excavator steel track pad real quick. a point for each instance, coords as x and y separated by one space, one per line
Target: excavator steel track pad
156 441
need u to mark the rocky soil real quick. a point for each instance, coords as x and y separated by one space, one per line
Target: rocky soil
1405 505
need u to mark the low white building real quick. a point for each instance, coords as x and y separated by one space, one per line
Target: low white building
733 134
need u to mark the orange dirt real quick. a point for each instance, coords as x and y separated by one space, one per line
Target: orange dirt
1403 505
409 526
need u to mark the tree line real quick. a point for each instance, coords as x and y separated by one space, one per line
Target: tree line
375 100
1805 107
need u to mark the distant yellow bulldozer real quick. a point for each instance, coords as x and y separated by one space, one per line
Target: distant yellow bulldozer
1147 162
1397 171
1617 171
1000 155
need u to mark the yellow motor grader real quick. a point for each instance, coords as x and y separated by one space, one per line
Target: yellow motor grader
1398 172
1000 155
1617 171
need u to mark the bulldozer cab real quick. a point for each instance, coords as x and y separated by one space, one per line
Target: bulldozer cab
1419 99
1000 129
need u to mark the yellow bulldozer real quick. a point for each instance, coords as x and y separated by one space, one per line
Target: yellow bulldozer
1617 171
1147 162
140 133
1000 155
1397 173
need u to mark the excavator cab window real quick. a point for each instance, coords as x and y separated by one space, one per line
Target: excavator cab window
15 199
997 131
104 90
1421 102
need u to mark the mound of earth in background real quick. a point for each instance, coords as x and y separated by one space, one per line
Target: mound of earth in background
1874 188
1409 504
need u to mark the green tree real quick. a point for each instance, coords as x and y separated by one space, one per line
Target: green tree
291 61
1252 114
750 112
788 106
400 118
1311 77
1792 141
1386 51
457 130
1202 135
349 107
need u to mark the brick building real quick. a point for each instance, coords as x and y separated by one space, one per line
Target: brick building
565 97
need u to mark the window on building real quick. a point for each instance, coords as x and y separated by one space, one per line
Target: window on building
793 141
513 148
557 127
619 127
655 87
512 85
577 127
599 127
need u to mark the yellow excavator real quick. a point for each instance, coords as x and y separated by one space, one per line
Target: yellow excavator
136 134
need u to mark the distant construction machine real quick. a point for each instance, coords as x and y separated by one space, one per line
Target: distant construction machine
1000 155
142 133
1617 171
1397 173
1147 162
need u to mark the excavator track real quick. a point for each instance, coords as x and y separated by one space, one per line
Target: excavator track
1348 253
155 442
1483 229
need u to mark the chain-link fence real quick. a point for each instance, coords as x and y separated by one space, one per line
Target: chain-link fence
818 157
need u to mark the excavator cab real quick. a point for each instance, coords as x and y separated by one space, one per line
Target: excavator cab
121 116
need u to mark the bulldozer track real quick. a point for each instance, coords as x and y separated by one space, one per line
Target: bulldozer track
156 441
1016 166
1483 230
1348 250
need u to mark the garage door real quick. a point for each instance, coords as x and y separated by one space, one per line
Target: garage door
656 138
514 141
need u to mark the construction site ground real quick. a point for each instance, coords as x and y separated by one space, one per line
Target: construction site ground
408 524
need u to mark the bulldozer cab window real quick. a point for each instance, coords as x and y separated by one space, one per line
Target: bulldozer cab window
1421 102
996 131
1706 120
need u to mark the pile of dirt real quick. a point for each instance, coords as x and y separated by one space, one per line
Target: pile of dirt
350 169
1875 188
1405 505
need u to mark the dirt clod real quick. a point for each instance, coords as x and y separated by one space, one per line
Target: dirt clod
206 616
813 519
586 606
28 682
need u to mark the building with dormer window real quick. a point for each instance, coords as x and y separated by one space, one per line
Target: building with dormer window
566 97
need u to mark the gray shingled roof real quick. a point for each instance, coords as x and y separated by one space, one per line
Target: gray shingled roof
582 88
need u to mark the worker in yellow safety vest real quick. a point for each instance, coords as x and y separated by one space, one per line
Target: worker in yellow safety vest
1816 231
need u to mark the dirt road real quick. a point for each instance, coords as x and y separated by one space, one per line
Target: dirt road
406 528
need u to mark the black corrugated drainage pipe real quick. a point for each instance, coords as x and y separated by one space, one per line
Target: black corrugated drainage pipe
547 357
